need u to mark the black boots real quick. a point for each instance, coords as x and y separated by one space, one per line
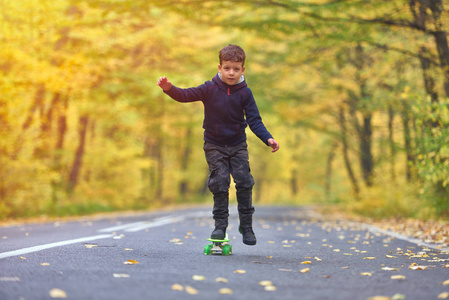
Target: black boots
218 234
249 238
245 209
221 214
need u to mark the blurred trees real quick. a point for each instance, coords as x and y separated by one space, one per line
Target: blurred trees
355 91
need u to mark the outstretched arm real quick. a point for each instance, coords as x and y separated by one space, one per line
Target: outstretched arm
273 144
164 83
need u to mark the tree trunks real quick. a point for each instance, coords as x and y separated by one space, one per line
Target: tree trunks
391 142
330 159
77 163
184 185
410 159
345 149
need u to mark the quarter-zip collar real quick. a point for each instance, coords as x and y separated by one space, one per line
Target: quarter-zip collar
229 88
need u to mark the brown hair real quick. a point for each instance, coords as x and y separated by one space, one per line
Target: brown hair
232 53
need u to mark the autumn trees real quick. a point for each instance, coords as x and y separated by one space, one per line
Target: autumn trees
356 91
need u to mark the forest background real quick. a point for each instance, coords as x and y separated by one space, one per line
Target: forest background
356 93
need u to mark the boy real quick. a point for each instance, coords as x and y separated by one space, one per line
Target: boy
227 100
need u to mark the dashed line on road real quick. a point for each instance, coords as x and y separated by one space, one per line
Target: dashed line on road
131 227
52 245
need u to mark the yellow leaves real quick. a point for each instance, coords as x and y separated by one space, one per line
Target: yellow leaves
369 258
240 271
90 246
221 279
177 287
389 269
268 285
446 282
45 264
397 277
366 274
198 277
443 295
415 266
379 298
225 291
270 288
57 293
190 290
306 270
265 282
131 262
306 262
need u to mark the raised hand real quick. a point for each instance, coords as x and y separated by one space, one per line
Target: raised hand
164 83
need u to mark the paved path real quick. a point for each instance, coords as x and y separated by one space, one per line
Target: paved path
298 256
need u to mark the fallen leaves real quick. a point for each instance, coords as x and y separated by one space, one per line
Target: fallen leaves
265 282
415 266
198 277
57 293
397 277
268 285
177 287
270 288
131 262
190 290
306 270
225 291
379 298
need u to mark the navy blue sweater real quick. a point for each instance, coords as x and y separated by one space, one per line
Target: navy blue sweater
225 109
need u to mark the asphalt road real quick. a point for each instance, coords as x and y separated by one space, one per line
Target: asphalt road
159 255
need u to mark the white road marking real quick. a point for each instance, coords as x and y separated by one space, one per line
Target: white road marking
156 223
131 227
121 227
52 245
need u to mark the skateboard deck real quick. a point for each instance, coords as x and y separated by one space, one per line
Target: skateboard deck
220 247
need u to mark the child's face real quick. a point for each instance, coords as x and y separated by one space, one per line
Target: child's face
231 71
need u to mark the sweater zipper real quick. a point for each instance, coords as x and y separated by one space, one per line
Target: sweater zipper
229 92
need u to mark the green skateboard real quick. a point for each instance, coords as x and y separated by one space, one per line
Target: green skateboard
217 247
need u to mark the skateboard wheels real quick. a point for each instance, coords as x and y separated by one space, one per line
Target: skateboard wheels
207 249
227 249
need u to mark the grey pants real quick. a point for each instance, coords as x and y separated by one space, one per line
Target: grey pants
223 162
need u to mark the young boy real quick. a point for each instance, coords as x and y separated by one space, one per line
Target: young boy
227 101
